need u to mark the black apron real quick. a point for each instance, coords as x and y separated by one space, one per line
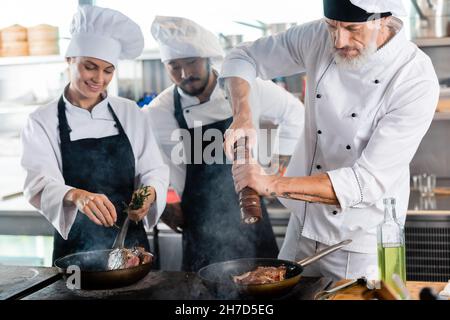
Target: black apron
213 231
105 166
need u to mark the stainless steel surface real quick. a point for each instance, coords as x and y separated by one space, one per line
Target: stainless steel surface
230 41
324 252
430 18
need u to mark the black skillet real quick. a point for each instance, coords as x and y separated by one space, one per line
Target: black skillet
95 273
218 277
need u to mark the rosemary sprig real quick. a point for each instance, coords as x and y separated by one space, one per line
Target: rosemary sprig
139 197
137 201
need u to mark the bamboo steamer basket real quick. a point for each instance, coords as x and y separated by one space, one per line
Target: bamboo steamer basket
14 33
43 40
43 48
15 48
14 41
43 33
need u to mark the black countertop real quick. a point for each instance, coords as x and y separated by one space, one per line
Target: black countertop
29 283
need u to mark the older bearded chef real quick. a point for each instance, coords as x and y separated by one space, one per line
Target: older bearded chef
209 214
371 96
87 152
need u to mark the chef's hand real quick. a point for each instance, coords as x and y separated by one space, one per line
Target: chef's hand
138 215
96 207
242 126
253 175
173 217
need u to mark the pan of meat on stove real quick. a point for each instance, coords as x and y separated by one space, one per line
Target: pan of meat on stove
108 269
259 277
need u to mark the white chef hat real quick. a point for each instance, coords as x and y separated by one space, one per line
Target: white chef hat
180 38
104 34
362 10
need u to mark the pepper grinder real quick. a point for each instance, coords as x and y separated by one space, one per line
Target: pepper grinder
249 200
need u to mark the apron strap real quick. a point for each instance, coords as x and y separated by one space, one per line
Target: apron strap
118 124
64 129
179 110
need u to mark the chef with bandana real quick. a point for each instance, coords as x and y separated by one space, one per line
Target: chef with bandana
371 96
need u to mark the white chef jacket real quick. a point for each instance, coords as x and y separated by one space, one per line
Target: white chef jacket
274 104
362 127
44 185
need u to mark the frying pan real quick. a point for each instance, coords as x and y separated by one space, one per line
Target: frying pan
218 277
94 271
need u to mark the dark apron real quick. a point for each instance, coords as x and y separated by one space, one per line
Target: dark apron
105 166
213 230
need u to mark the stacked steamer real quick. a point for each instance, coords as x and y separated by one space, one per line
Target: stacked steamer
14 41
43 40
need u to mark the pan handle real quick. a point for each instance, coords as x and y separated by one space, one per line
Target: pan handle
323 253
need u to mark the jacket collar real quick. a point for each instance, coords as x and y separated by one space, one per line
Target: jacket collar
99 111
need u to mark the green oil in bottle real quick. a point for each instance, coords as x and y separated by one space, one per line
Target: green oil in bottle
391 246
391 260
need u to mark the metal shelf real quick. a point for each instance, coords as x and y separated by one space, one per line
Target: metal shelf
432 42
438 116
28 60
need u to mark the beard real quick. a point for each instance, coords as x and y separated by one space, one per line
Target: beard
204 83
357 62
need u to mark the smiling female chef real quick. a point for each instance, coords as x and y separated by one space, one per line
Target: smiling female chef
86 152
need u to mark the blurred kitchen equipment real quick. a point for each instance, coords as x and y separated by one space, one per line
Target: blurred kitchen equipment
14 41
323 295
429 294
269 28
430 19
43 40
391 245
13 117
426 184
218 277
230 41
11 196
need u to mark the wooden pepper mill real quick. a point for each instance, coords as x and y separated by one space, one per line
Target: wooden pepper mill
249 200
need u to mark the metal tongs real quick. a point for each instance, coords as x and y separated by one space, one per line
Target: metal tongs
323 295
120 239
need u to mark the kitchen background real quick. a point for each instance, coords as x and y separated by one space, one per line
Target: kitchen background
34 36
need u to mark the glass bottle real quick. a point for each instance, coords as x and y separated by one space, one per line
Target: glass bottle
391 246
